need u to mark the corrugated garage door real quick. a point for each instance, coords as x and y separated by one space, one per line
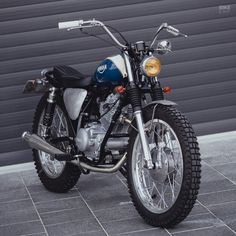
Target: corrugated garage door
201 70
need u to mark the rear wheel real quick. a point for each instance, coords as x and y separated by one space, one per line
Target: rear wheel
56 176
164 195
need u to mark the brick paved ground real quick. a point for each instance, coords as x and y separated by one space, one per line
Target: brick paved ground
100 205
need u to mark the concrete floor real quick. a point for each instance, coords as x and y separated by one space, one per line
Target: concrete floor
100 204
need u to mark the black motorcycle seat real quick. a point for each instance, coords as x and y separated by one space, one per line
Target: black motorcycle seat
69 77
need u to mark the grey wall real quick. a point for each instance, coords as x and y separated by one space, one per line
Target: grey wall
201 70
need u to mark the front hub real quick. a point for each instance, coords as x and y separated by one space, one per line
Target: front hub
163 165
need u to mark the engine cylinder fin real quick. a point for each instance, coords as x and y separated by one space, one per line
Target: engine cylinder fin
119 135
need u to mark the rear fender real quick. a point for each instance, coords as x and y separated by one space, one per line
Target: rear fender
36 86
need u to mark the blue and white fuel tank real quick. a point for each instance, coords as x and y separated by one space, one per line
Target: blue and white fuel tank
110 72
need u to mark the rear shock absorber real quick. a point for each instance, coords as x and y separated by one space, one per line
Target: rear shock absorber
49 110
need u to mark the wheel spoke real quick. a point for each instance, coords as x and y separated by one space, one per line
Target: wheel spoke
177 182
162 198
53 167
172 188
159 188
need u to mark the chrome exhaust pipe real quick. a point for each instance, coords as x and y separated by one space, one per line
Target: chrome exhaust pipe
36 142
117 143
98 169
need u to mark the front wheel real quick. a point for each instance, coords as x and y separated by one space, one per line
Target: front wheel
164 195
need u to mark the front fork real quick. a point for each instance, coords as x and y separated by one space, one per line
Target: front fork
135 99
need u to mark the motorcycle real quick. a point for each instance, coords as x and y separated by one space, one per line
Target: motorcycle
117 120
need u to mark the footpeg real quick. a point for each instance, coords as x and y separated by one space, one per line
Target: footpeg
65 157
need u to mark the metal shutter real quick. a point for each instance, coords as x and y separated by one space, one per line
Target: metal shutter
201 70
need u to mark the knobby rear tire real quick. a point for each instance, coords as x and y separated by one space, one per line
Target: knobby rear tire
70 174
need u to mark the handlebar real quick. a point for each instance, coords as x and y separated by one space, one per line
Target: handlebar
80 24
70 24
170 29
174 31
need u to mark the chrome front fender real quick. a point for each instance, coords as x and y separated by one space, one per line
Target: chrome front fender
162 102
153 103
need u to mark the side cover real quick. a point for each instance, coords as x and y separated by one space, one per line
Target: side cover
73 99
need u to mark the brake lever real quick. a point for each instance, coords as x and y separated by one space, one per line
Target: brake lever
183 35
158 49
79 27
175 32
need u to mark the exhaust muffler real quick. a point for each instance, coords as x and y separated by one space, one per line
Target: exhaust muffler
36 142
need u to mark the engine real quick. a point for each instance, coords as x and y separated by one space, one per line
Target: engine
89 138
108 108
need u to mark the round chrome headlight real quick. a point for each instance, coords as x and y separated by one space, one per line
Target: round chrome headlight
151 66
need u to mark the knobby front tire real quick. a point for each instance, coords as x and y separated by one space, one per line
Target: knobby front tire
164 214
